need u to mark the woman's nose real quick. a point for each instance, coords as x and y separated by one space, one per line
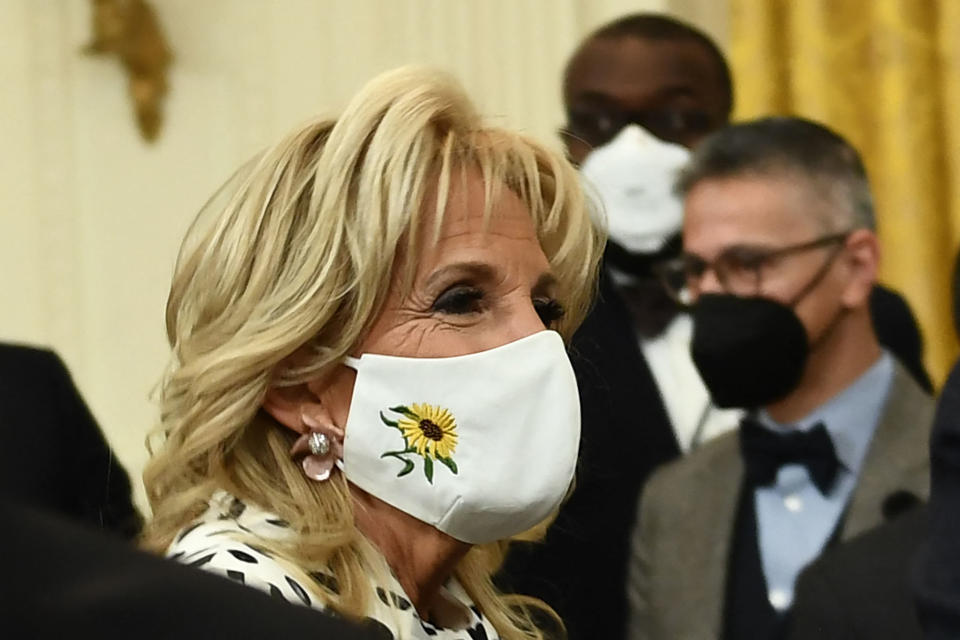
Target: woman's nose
523 321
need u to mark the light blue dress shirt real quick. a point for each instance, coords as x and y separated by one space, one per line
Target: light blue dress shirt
794 520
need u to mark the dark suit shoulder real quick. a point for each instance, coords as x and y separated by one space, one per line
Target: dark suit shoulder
18 361
861 589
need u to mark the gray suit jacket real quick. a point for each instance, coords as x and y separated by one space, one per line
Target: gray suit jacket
678 565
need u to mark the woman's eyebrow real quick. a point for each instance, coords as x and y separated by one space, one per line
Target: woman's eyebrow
545 283
474 270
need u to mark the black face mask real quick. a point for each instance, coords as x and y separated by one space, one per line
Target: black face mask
749 351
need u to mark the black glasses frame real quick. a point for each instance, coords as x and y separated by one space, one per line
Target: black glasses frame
677 274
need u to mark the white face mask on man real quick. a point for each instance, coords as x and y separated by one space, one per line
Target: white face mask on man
481 446
633 176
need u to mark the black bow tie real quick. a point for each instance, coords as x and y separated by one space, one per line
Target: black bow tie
765 451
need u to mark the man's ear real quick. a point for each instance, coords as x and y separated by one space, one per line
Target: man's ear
863 261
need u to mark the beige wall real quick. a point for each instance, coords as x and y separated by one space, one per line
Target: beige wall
91 217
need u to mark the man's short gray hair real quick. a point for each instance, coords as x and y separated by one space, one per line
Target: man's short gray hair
787 147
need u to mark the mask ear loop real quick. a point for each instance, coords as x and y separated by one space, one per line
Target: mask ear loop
817 278
353 363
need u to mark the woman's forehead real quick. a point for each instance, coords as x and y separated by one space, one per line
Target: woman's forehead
467 212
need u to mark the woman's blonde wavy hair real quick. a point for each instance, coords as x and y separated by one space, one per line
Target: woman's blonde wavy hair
298 256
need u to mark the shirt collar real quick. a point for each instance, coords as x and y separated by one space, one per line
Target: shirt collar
851 416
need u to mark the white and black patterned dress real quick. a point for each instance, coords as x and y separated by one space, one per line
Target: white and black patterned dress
214 543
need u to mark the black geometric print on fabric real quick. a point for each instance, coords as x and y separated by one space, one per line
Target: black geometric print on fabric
298 590
235 575
326 581
399 601
383 596
428 628
183 534
242 556
277 522
476 611
177 555
199 562
478 633
236 508
377 627
243 528
275 592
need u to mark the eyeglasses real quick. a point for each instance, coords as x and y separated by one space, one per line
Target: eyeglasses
738 268
598 126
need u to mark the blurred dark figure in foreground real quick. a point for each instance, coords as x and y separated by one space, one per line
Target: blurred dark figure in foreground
54 455
61 579
862 588
938 567
938 570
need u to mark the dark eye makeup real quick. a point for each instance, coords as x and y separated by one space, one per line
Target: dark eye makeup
549 310
460 299
464 299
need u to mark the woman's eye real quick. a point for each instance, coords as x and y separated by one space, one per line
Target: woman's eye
549 310
459 300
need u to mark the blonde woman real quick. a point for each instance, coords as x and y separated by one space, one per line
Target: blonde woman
369 391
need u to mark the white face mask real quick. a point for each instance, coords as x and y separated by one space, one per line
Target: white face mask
633 176
481 446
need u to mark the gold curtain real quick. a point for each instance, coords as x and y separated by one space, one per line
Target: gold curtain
886 75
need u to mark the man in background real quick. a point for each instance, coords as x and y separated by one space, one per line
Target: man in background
638 93
779 264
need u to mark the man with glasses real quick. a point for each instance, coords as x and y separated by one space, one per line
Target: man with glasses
780 259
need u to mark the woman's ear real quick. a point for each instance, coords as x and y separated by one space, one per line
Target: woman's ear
287 405
299 408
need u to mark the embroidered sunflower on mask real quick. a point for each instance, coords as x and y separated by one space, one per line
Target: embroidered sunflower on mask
429 432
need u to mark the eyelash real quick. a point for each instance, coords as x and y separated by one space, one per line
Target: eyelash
463 300
459 300
549 310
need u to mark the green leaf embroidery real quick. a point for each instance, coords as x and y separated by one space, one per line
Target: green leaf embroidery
407 467
405 411
389 423
450 464
428 468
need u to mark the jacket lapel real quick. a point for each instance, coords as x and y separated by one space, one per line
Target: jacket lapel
707 556
898 457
